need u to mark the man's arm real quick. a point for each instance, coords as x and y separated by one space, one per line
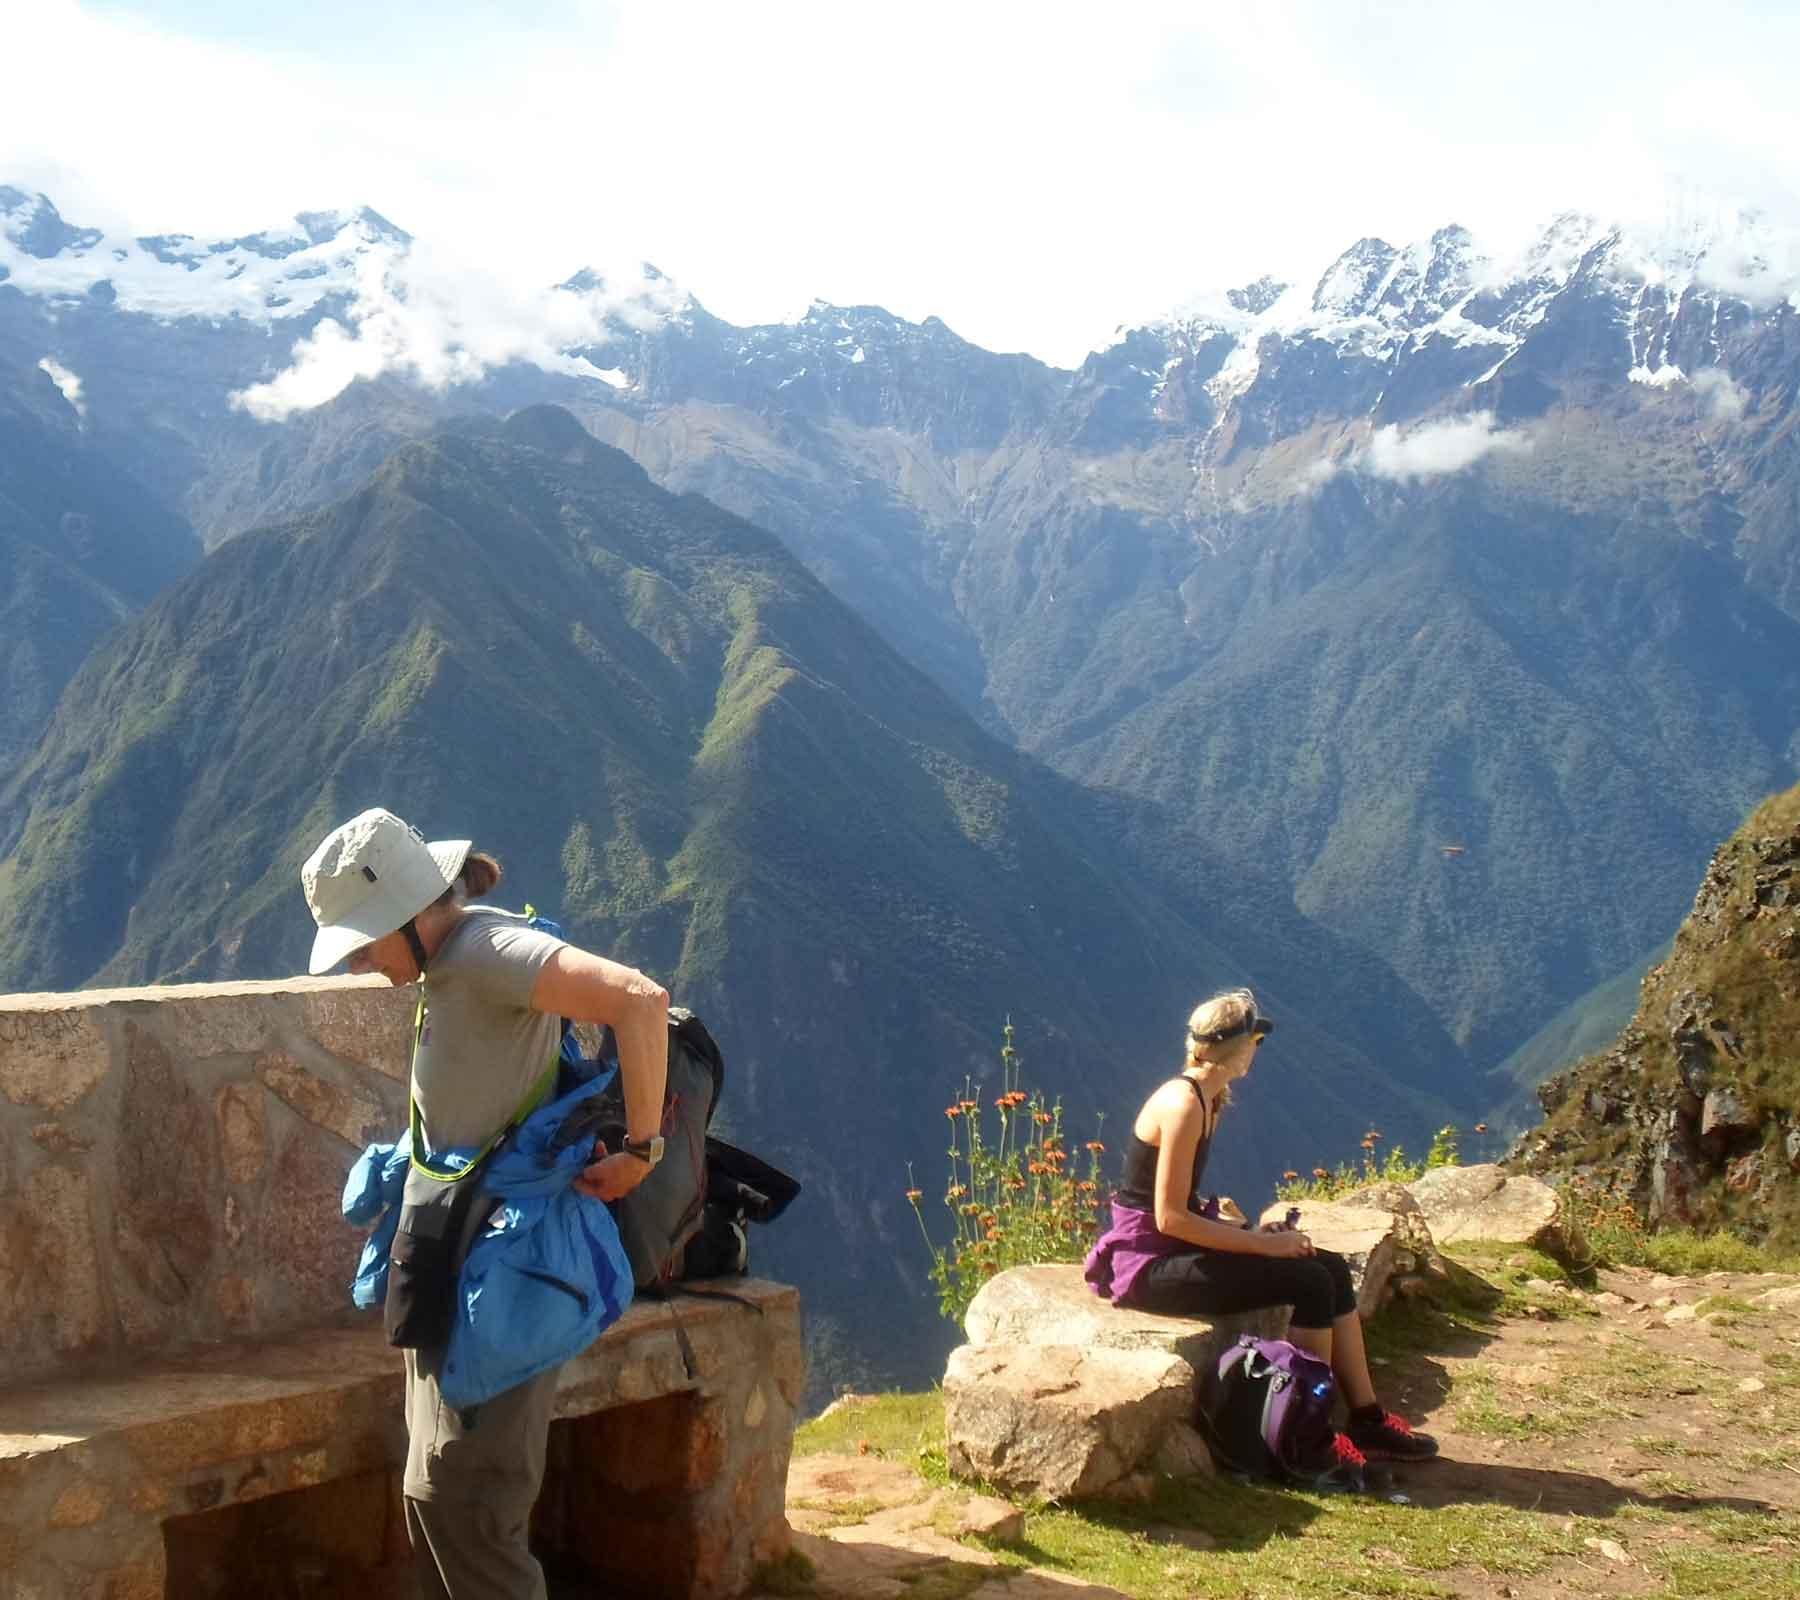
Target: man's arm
588 988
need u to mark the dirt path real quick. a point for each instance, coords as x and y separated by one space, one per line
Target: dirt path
1674 1399
1641 1437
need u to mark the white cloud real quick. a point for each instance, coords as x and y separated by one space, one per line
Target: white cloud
1435 448
1317 475
66 382
441 323
1724 397
924 157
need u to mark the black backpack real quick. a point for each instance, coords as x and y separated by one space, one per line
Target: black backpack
658 1218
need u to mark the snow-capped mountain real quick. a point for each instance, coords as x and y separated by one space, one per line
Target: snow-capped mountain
279 275
1600 300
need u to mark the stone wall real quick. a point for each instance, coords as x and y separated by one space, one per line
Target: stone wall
171 1162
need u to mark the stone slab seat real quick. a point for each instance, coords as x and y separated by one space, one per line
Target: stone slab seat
1052 1304
176 1478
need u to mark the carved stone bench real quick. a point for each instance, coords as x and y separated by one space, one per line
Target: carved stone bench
184 1412
273 1469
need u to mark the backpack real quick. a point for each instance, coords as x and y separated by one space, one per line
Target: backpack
658 1218
686 1219
1266 1413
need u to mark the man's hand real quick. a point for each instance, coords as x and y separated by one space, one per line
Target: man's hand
612 1177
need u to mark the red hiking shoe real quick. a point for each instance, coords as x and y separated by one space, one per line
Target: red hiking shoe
1391 1438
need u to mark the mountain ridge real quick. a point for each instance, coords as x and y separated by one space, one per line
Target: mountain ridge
1088 560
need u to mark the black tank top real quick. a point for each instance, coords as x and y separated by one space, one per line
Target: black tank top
1139 1186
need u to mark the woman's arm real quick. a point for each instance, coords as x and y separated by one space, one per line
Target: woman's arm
1180 1129
589 988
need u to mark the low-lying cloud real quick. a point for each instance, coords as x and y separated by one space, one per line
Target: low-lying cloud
439 325
1436 448
66 382
1723 397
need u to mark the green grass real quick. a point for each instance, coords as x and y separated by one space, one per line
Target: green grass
792 1574
1506 1271
1660 1444
1684 1253
1728 1308
1276 1543
895 1427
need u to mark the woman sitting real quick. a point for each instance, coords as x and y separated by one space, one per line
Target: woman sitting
1164 1254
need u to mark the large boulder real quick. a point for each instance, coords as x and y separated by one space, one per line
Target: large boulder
1377 1242
1484 1203
1053 1305
1063 1422
1064 1395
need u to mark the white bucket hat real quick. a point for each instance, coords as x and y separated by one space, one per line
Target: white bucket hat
370 877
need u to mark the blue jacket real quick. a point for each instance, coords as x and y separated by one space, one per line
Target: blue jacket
544 1276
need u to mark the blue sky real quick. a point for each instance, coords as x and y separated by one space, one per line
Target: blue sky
1035 174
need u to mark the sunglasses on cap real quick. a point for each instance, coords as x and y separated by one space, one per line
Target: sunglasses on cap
1255 1024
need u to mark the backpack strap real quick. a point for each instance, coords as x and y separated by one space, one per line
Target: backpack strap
534 1097
666 1293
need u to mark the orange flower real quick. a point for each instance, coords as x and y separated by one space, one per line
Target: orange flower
1320 1172
971 1210
1089 1186
956 1191
1481 1127
1289 1176
914 1195
1040 1117
1096 1146
993 1233
953 1111
967 1105
1374 1134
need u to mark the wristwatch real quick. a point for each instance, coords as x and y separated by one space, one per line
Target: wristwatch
649 1151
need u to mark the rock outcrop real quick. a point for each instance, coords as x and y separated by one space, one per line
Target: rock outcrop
1486 1203
1061 1421
1065 1396
1694 1112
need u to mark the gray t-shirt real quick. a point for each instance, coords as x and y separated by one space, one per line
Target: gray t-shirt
482 1046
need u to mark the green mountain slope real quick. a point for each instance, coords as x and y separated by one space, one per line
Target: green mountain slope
1370 675
1578 1030
674 736
82 546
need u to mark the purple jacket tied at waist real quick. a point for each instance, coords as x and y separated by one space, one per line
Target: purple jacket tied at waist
1121 1254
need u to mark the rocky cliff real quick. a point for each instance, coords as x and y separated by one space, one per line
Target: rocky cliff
1693 1110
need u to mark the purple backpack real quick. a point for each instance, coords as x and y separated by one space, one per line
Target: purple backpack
1267 1413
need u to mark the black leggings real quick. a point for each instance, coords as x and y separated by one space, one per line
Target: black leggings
1217 1282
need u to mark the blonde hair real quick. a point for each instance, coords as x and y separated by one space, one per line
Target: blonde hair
1223 1013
